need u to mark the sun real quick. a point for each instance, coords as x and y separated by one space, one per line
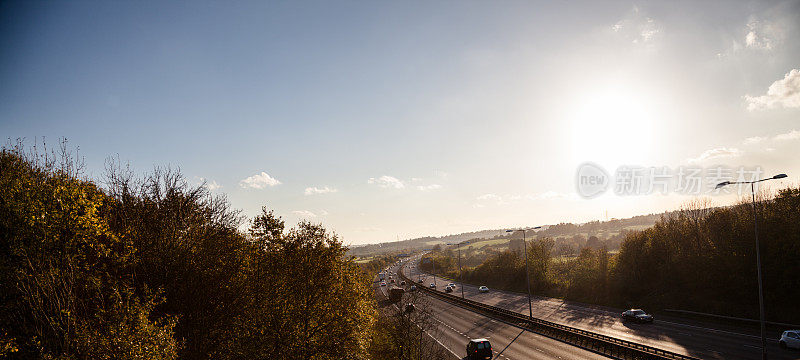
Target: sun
614 125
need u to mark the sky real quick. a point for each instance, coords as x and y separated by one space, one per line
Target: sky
393 120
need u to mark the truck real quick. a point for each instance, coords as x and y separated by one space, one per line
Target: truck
395 293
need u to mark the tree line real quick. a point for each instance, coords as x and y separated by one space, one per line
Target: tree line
698 258
153 267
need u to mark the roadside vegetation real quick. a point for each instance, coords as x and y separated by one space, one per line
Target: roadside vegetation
155 268
699 258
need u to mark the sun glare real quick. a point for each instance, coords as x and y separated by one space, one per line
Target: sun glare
614 126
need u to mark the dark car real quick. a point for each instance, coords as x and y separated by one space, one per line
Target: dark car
403 283
448 289
479 349
409 308
637 315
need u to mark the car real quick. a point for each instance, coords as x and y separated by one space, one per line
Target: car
383 283
432 286
413 288
391 281
403 283
790 339
483 289
448 289
409 307
637 315
452 285
479 349
419 281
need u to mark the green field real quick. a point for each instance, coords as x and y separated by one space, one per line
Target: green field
482 243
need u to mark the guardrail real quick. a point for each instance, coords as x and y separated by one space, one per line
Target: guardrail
745 320
602 344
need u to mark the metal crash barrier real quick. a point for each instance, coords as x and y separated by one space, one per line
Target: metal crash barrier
602 344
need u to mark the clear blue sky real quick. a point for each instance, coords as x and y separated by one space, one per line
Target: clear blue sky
401 119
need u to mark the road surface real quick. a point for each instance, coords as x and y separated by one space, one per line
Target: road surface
677 335
456 325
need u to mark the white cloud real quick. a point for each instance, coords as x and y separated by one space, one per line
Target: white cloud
762 35
259 181
387 181
496 199
637 28
718 153
754 140
323 190
210 185
791 135
429 187
304 213
648 30
323 213
490 197
213 185
416 179
552 195
782 93
544 195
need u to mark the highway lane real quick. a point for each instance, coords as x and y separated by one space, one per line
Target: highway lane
700 341
456 325
382 292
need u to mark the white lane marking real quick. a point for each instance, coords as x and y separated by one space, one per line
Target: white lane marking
443 345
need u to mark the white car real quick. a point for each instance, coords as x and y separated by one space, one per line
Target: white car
483 289
790 339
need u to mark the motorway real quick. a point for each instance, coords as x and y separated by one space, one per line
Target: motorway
695 339
456 325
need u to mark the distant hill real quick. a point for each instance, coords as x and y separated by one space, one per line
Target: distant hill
610 233
421 243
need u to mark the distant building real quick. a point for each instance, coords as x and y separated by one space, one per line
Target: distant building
516 245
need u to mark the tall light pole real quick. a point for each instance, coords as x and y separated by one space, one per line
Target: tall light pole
434 273
527 271
758 256
460 280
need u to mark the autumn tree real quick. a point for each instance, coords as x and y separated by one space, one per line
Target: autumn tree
67 280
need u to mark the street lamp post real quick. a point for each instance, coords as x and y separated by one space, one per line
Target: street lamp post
527 270
434 273
758 255
460 280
